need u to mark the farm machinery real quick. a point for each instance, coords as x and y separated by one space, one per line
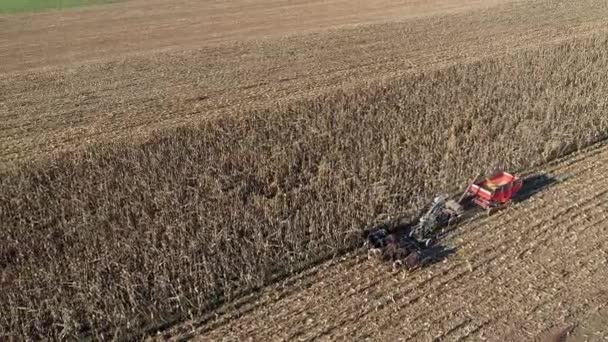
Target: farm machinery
404 246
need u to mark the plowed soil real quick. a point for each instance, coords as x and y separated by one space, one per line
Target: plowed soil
138 26
126 97
536 266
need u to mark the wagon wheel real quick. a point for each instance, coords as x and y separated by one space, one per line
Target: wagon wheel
491 211
501 206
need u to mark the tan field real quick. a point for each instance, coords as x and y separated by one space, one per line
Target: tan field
516 276
140 26
204 169
50 110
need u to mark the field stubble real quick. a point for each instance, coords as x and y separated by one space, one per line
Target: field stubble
59 109
515 276
116 238
139 27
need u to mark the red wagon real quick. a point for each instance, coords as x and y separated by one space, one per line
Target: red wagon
405 245
494 191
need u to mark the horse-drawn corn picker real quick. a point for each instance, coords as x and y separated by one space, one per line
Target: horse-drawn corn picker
404 246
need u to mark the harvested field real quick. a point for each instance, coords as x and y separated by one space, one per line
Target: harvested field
118 238
538 265
140 188
143 26
58 109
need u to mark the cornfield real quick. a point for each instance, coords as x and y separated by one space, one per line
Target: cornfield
116 239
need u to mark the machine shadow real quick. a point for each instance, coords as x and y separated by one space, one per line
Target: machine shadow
436 254
535 184
401 228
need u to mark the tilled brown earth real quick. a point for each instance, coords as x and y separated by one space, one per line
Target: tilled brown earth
126 98
126 27
514 276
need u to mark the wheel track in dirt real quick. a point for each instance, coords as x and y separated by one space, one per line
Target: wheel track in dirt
489 262
510 277
576 222
521 274
380 279
489 257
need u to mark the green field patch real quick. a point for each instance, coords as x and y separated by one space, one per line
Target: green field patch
21 6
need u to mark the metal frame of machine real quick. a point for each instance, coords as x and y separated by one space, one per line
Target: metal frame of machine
488 193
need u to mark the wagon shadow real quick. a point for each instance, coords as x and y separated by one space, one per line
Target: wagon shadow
535 184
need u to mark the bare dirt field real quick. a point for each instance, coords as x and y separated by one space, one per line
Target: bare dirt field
57 109
515 276
140 26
